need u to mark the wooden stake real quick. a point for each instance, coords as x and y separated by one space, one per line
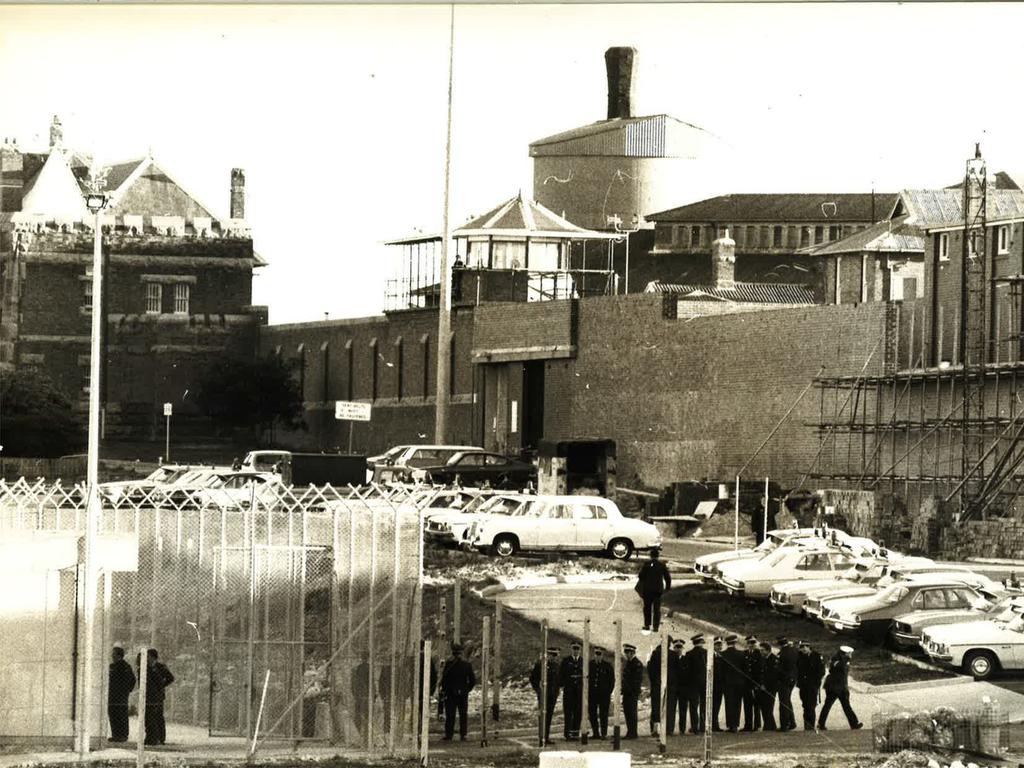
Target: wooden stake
485 671
140 756
617 692
425 703
542 704
663 693
585 693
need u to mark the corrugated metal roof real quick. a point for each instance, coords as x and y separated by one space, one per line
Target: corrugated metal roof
783 207
932 208
893 235
758 293
649 136
522 217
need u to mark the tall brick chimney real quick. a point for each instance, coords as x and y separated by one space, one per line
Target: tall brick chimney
723 262
237 193
619 63
56 134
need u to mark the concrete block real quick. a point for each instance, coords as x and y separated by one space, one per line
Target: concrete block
607 759
562 759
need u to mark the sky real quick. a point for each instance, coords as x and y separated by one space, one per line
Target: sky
337 112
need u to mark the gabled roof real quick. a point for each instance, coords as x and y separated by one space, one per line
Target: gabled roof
648 136
522 217
937 208
891 236
821 207
1001 180
755 293
54 190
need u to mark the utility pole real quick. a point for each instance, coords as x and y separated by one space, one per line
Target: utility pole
444 304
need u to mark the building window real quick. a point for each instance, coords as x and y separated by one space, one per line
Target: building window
350 372
154 298
374 370
944 246
425 341
1003 235
805 236
776 237
819 235
398 366
181 293
451 366
87 290
833 232
695 237
325 358
751 239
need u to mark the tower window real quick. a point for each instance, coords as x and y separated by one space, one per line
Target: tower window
777 237
695 237
154 298
944 246
1004 239
181 296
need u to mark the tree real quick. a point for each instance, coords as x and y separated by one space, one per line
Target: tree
252 394
37 419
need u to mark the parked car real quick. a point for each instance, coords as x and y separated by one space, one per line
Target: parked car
448 527
138 489
978 648
706 566
755 578
871 615
906 630
789 596
568 523
396 465
475 468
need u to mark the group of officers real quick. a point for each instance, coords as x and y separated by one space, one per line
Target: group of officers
749 681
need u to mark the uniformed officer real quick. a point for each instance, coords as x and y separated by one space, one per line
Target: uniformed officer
571 676
810 669
599 693
837 687
654 680
696 683
769 686
717 685
632 684
456 683
735 663
675 700
554 687
787 659
755 664
120 683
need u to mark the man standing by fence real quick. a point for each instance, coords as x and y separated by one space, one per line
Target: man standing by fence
717 685
552 690
120 682
456 683
696 684
632 684
651 583
571 676
735 664
810 669
599 693
158 677
788 658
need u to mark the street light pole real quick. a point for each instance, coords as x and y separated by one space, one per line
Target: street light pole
444 305
96 202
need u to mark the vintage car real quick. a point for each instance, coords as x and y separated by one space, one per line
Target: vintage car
905 631
479 468
448 527
979 648
137 490
397 464
871 615
754 579
706 566
789 596
568 523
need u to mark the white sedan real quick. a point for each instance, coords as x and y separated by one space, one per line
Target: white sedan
449 526
979 648
755 578
567 523
706 566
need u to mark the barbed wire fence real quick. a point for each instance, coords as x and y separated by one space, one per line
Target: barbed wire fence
297 608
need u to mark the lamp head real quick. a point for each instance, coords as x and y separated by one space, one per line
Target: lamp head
96 201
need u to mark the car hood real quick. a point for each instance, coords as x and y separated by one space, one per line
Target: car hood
839 591
918 620
852 604
740 569
804 587
720 557
974 632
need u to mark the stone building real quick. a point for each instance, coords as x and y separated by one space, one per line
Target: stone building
177 282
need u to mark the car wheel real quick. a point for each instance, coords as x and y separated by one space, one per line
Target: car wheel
620 549
980 664
505 545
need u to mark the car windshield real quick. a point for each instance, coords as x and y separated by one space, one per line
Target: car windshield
892 594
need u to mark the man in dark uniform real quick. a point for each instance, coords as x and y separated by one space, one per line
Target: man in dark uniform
769 686
457 681
632 685
551 662
755 664
837 687
717 685
787 660
651 583
654 680
120 682
675 700
810 669
158 677
735 663
571 676
599 693
696 683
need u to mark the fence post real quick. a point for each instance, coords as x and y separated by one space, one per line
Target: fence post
617 692
496 706
442 648
542 701
585 692
425 703
485 671
371 635
393 679
709 705
457 613
140 747
663 715
259 718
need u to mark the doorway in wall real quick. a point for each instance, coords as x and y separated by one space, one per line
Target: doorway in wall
533 403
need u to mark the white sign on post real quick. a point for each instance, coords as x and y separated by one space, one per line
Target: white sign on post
168 408
345 410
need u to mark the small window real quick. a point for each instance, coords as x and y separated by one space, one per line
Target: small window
805 236
559 512
776 237
750 239
958 598
154 298
1003 234
181 294
819 235
934 599
833 232
695 237
944 246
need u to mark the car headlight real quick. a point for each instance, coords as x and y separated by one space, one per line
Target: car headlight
781 597
900 626
853 618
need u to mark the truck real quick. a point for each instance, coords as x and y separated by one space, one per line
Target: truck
336 469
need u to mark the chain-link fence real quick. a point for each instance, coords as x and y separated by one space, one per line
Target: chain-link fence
297 608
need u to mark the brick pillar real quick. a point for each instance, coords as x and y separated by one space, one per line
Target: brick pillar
237 193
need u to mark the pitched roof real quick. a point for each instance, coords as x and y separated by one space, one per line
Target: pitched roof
756 293
891 236
783 207
934 208
522 217
646 136
1001 180
54 190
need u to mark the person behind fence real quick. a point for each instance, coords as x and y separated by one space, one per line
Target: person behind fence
735 663
810 669
769 687
837 688
696 685
651 583
601 683
717 685
654 681
675 696
360 685
120 683
553 687
787 661
754 667
632 685
158 677
571 676
456 683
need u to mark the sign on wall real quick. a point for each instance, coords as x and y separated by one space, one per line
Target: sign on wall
346 410
168 409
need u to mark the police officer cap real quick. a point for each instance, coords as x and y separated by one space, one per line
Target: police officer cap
678 642
553 649
456 648
731 640
629 647
698 638
846 649
804 644
719 640
598 650
575 644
